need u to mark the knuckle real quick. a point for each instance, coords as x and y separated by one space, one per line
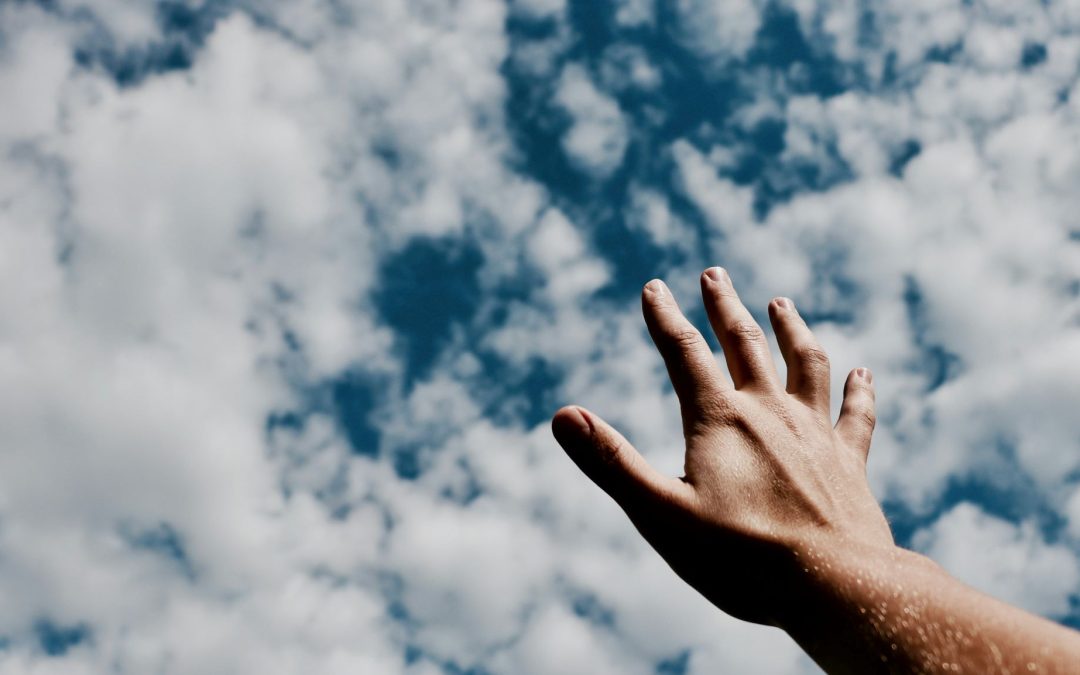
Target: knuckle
812 356
869 417
685 338
716 410
859 410
746 331
611 452
858 390
864 415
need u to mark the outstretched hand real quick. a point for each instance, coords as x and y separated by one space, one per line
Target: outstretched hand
768 479
773 520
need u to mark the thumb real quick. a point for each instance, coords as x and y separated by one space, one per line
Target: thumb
611 462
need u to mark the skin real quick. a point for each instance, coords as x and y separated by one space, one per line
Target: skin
774 521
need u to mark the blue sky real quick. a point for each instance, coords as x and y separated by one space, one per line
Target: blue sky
290 291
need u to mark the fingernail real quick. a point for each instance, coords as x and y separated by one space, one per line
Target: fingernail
784 303
718 275
657 288
865 374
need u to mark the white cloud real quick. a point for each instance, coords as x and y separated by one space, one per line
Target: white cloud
728 207
597 138
162 244
35 63
1072 513
560 251
650 212
581 648
626 67
181 257
720 29
1009 561
633 13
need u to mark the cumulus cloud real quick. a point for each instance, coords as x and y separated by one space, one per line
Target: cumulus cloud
720 30
1009 561
598 134
631 13
960 255
217 427
628 68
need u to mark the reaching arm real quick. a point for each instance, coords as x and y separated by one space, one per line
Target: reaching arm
774 521
897 611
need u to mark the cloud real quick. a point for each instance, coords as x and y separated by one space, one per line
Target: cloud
719 30
597 138
973 222
35 64
288 292
632 13
628 68
1009 561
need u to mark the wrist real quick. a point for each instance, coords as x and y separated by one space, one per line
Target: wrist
828 581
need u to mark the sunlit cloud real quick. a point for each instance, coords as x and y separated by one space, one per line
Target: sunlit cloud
288 291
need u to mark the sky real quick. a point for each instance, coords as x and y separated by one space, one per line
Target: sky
289 290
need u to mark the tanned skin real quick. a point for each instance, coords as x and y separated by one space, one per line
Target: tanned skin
774 521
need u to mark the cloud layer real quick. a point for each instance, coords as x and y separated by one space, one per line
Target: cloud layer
288 290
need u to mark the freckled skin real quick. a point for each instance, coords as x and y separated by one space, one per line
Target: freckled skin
774 521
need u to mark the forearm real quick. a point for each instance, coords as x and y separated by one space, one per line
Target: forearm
873 610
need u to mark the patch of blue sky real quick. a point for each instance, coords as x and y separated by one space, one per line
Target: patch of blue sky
391 586
57 639
162 540
676 665
934 360
355 397
184 28
996 483
695 99
908 151
352 399
426 291
1034 54
590 608
429 294
512 394
412 654
454 669
698 100
998 486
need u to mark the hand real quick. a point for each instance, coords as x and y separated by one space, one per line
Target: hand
770 482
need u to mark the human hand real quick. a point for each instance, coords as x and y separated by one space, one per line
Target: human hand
770 483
